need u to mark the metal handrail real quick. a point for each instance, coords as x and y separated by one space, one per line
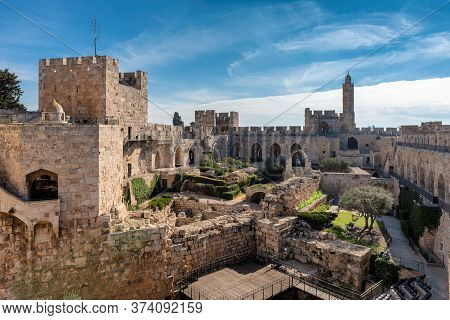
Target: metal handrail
423 146
411 264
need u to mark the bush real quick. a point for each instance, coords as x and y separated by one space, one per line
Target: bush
386 270
334 165
205 188
321 209
159 203
422 216
406 200
403 214
404 224
318 221
141 190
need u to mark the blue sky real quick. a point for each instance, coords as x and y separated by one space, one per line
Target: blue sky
198 52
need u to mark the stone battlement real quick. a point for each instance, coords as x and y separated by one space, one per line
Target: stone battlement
90 60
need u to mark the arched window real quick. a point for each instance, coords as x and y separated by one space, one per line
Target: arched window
441 188
368 161
179 157
256 153
352 143
275 151
191 157
157 160
237 151
42 185
324 128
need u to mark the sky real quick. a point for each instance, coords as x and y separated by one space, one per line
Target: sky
255 57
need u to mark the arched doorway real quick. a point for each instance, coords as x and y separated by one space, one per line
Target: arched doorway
298 159
157 160
42 185
421 177
414 174
257 197
256 153
191 157
441 188
275 151
324 128
352 143
430 182
179 157
237 151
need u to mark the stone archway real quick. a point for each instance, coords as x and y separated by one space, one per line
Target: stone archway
441 188
414 174
324 128
256 153
421 179
257 197
42 185
275 151
157 160
352 143
179 157
191 157
430 182
298 159
237 151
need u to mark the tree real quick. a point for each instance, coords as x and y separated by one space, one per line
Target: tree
10 91
369 201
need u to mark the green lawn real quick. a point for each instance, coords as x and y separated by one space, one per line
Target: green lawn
345 217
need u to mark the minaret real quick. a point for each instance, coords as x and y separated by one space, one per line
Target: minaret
348 104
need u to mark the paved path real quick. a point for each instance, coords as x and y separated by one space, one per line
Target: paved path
437 277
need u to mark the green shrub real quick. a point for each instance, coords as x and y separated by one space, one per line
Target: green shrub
317 221
406 200
228 195
316 195
159 203
403 214
178 182
334 165
423 216
205 188
386 270
141 190
404 224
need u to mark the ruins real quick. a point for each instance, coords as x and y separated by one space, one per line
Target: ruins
76 178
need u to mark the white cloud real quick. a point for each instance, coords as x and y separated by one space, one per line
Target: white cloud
347 37
387 104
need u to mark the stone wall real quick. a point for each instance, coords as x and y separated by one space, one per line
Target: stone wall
339 183
339 261
96 263
284 197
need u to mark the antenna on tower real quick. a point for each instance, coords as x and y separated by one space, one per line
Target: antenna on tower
94 37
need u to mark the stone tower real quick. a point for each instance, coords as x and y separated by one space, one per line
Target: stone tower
348 113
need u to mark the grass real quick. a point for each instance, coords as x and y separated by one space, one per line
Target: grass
316 195
344 217
339 226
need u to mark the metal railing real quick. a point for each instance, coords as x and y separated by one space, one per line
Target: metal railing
424 193
313 285
423 146
410 264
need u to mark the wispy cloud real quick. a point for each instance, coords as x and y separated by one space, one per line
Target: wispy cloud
401 102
